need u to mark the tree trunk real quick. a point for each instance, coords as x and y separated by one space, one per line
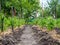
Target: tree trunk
55 16
2 24
55 12
14 11
19 15
0 6
12 24
21 12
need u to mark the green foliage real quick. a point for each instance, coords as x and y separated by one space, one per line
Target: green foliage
27 8
50 23
58 23
54 7
21 6
1 21
33 22
15 21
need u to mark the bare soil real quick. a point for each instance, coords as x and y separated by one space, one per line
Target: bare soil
29 35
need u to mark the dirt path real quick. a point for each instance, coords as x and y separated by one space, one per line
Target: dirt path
27 37
35 37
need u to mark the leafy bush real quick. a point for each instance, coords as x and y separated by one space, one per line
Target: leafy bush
15 21
42 22
49 23
33 22
58 23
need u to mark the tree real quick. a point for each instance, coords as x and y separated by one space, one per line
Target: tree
20 7
53 7
31 6
58 11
